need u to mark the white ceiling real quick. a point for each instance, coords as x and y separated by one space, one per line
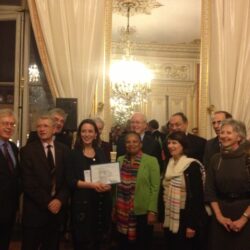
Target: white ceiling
177 21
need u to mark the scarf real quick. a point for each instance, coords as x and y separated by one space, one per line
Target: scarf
126 219
174 195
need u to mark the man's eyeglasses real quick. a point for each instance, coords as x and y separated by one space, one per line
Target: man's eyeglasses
8 124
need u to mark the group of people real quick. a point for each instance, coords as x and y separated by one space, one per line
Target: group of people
198 190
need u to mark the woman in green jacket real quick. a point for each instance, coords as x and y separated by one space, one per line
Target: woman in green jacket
137 196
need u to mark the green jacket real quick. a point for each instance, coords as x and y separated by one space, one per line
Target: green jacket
147 185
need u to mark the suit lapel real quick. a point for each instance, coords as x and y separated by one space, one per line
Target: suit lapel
42 155
58 153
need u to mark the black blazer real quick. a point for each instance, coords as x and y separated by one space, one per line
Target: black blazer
9 188
36 177
212 147
196 146
91 210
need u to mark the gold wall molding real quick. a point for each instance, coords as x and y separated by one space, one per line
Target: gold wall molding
203 102
183 50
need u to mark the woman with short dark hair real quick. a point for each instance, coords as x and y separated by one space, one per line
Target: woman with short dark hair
137 196
183 207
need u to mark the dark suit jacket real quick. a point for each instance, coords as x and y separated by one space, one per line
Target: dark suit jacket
196 146
91 210
107 148
9 188
158 136
212 147
64 138
149 146
35 172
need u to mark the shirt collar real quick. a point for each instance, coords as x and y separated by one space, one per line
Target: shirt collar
2 142
45 144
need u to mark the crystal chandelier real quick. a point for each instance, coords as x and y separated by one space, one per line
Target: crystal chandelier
34 74
130 81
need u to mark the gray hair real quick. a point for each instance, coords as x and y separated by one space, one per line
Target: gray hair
47 117
99 120
139 114
58 111
238 126
6 112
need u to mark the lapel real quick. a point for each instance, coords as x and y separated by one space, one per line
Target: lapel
58 154
41 155
15 153
2 158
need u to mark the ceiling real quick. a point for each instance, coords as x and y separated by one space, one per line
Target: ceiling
174 22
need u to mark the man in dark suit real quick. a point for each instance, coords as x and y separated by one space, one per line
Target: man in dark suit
138 124
153 127
60 134
9 177
213 145
196 144
43 165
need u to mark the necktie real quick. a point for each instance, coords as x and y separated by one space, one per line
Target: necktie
50 159
8 157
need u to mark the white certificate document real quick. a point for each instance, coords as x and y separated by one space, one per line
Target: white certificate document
108 173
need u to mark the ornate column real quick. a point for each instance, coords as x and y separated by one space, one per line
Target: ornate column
203 116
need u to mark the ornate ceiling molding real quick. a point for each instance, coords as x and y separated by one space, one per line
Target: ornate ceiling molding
185 50
136 6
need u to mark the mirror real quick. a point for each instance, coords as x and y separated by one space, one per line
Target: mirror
167 40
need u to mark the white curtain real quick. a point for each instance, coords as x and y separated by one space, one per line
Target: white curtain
73 32
229 79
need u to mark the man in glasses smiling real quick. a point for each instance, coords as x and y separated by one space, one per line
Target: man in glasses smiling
9 177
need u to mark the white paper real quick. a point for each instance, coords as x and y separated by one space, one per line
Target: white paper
106 173
87 175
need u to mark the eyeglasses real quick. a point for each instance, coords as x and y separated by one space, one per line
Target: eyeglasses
8 124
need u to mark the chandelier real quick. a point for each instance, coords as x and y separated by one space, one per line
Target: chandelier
130 80
34 74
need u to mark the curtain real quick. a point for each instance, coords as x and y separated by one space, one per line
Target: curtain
73 33
229 76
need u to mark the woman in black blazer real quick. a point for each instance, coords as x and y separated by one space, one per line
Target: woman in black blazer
91 202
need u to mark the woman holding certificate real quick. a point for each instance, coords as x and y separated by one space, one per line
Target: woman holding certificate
91 201
137 196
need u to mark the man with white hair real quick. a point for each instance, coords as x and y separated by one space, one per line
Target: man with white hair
138 124
9 177
43 164
60 134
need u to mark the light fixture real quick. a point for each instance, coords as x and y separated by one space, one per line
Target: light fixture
34 74
130 80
